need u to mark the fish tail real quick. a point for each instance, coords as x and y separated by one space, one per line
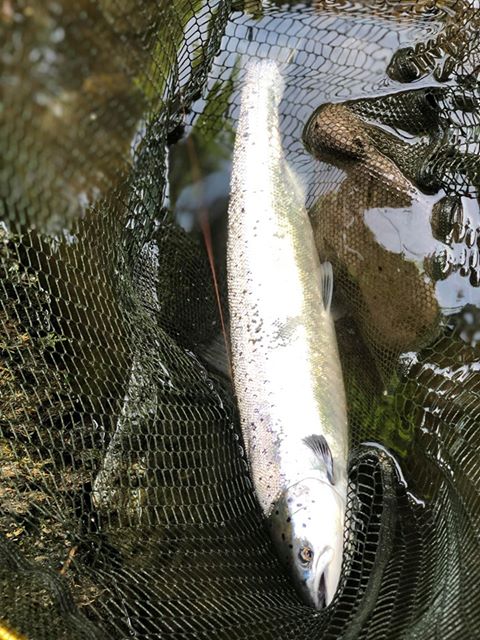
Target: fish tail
266 72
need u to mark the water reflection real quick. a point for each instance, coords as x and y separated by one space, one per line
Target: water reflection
388 214
326 54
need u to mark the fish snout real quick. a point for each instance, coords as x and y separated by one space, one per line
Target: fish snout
319 584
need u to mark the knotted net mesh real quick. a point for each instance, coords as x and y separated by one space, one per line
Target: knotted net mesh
126 508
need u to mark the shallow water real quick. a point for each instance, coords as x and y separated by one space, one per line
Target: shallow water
331 55
122 305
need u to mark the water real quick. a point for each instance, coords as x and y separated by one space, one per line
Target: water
90 96
385 251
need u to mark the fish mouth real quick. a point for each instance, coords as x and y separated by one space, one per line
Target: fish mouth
322 593
319 587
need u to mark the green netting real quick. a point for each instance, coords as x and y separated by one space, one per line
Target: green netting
126 508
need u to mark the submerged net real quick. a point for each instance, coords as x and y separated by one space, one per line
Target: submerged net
126 508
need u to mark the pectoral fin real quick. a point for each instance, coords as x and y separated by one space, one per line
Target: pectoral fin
322 451
326 274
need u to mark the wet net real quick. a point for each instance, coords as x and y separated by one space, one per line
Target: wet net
126 509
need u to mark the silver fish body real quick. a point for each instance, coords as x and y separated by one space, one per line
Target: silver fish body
286 367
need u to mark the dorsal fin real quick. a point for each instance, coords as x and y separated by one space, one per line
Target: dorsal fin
326 274
320 448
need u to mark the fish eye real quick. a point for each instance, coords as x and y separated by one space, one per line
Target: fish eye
306 555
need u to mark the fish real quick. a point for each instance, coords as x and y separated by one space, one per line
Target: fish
286 368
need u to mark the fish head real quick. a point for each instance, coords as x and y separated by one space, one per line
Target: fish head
307 529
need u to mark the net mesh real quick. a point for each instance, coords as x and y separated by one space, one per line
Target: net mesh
126 508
